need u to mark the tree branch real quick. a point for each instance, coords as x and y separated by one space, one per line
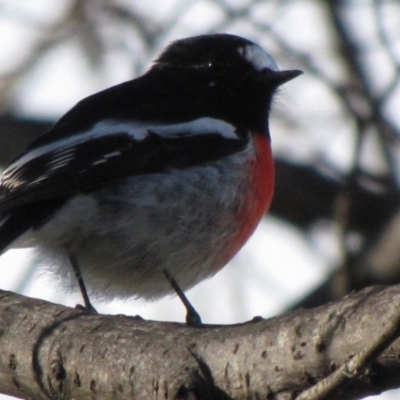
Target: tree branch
51 351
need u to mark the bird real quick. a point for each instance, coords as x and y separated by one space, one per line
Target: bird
167 174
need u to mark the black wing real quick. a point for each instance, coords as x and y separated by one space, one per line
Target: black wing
91 159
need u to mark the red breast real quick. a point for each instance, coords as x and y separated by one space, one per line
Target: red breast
260 190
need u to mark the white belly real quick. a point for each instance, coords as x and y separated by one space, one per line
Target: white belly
182 221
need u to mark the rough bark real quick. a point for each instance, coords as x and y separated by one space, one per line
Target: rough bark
51 351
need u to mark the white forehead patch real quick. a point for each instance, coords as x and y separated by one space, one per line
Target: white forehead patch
259 58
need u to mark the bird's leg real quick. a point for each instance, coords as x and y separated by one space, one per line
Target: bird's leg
192 316
75 267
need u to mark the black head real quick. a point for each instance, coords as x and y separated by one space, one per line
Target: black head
219 76
232 77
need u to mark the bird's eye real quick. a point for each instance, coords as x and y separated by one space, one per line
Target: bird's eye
213 66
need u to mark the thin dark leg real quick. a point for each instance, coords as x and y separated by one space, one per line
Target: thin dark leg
81 283
192 316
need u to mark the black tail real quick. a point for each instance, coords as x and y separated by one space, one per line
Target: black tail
13 227
19 220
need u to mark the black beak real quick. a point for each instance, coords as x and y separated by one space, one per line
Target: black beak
278 78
